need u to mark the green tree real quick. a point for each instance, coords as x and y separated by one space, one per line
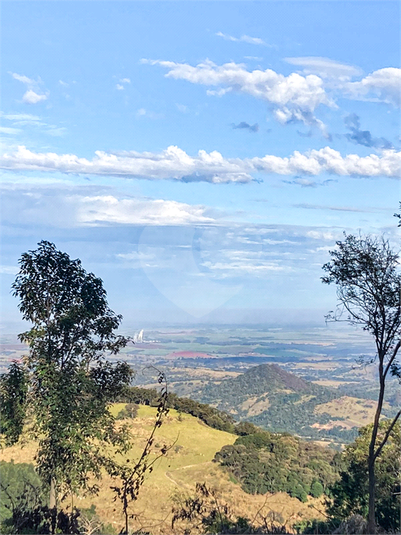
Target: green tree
365 271
70 383
316 489
350 495
13 392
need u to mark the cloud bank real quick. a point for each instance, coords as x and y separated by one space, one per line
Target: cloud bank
175 164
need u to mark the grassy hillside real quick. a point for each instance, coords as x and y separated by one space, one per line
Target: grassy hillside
175 476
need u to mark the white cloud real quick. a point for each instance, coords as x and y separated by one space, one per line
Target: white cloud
125 81
21 117
243 38
30 97
383 84
23 79
174 163
119 87
64 208
321 235
109 209
9 270
293 97
9 131
325 67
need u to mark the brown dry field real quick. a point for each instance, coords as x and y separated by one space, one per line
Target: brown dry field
356 412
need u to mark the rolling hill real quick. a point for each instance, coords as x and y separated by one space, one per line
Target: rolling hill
175 476
279 401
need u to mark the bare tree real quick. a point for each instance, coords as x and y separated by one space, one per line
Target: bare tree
365 270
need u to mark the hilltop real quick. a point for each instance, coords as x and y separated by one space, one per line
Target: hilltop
280 401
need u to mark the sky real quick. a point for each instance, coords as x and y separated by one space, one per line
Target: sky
202 158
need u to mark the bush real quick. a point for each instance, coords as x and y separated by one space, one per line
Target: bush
316 489
129 411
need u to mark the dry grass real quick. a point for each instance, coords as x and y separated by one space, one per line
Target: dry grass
356 412
188 462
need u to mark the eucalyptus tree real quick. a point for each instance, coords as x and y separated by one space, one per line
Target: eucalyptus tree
365 271
69 382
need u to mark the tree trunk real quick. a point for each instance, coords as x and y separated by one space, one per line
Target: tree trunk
372 452
371 516
53 496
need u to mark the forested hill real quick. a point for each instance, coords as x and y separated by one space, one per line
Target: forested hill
278 400
247 392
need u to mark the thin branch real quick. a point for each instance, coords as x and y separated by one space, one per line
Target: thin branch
383 442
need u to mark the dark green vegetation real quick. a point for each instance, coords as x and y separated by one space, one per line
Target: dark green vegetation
265 462
350 494
63 388
283 401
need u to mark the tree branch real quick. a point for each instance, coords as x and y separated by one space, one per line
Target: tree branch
383 442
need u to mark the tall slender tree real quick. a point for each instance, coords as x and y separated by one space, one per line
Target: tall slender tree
365 271
69 382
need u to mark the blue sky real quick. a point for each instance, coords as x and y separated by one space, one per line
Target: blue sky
200 157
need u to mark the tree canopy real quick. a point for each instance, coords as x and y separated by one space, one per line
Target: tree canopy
69 383
366 273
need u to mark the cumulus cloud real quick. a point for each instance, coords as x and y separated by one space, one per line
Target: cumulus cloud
243 38
293 98
364 137
246 126
325 67
30 97
175 164
121 86
382 85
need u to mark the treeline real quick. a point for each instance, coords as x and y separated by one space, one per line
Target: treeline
209 415
266 462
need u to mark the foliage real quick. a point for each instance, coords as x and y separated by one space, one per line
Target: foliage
350 495
13 392
20 488
365 271
316 489
129 411
266 462
70 384
22 506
